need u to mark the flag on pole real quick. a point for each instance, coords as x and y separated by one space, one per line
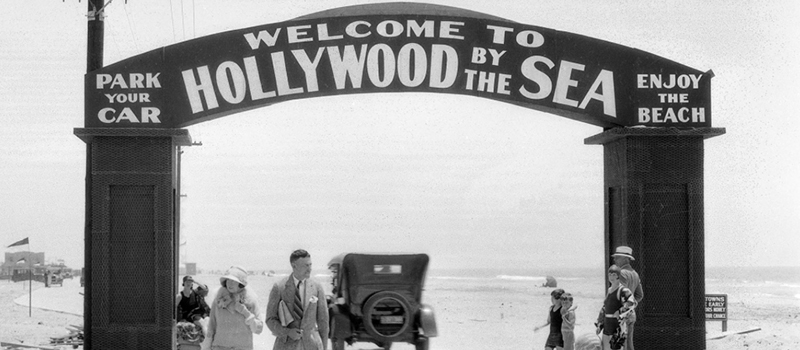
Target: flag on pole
21 261
23 241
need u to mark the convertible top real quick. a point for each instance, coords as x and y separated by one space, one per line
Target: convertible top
363 274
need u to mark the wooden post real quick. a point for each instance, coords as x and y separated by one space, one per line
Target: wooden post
94 60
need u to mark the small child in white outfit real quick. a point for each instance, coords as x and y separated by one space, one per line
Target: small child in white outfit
568 324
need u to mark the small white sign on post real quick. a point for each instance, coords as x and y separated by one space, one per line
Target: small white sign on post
717 309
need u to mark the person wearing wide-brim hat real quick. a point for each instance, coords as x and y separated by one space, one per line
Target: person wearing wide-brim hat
235 314
623 255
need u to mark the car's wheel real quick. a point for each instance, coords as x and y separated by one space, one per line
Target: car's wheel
421 344
387 315
338 344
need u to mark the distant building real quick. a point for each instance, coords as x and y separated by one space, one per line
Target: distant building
19 262
191 269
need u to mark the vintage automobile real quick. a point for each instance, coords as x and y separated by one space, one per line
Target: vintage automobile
377 298
53 279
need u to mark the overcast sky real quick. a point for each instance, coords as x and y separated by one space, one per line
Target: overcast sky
472 182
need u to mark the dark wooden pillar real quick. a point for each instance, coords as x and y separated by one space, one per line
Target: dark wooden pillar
130 239
654 204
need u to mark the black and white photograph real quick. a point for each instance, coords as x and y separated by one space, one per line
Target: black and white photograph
435 174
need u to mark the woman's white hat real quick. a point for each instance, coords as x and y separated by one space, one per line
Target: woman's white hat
235 273
624 251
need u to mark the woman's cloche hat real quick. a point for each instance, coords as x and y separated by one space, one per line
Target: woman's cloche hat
235 273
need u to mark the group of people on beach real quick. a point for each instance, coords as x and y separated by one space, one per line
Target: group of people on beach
297 313
561 319
616 318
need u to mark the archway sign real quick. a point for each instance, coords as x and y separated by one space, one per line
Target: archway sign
397 48
655 113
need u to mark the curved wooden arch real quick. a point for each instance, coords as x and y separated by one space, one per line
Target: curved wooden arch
397 47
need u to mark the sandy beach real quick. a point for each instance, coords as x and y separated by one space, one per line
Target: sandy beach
17 326
471 312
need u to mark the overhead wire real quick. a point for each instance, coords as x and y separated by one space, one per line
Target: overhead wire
172 18
183 24
110 33
130 28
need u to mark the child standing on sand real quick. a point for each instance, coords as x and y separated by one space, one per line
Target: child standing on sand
554 339
568 324
619 301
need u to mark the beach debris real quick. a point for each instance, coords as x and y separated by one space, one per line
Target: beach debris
725 334
74 338
587 341
550 282
14 346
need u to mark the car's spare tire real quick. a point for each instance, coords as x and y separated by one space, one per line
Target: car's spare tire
387 315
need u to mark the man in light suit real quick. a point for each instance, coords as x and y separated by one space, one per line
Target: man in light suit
297 313
630 278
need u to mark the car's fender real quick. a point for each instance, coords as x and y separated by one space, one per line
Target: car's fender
427 321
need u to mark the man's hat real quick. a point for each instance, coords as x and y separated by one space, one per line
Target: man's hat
624 251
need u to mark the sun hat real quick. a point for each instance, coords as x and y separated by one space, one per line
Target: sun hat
624 251
235 273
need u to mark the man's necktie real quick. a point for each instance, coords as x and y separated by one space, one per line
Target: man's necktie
298 301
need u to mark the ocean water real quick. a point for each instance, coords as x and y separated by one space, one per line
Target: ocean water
775 282
768 282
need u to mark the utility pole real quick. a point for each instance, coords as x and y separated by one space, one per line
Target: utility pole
94 43
94 60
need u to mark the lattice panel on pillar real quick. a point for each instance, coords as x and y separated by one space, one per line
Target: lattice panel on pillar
665 252
133 154
132 242
133 245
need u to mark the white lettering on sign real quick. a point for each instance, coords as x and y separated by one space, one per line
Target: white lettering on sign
530 38
362 29
664 115
309 68
389 29
602 89
322 29
299 34
129 97
671 81
133 81
716 307
479 55
147 115
411 65
486 81
670 110
525 38
128 114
